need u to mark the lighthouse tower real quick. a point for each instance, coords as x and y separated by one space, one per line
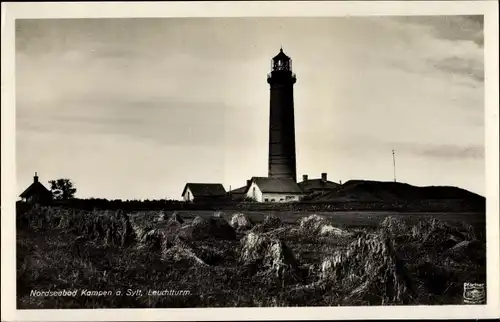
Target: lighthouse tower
282 162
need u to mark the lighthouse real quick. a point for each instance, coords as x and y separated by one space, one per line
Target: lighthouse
281 79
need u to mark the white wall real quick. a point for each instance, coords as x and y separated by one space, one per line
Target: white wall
260 197
188 196
278 196
258 193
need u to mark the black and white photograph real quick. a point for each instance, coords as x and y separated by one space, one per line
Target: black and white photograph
168 162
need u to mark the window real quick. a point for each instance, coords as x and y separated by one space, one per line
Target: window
266 200
289 197
281 199
273 200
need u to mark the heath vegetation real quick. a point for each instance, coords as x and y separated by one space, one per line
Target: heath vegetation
244 259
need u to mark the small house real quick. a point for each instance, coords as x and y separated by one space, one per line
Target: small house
36 192
269 189
238 194
203 192
317 186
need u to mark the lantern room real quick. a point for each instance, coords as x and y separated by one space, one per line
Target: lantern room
281 62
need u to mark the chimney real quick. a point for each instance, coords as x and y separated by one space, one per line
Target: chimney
35 178
249 182
305 177
323 176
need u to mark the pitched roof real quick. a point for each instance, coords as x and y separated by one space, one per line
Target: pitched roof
239 190
281 56
205 189
35 188
317 184
277 185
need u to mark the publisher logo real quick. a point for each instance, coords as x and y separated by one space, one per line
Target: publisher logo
474 293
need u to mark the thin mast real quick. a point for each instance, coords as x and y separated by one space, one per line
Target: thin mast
394 163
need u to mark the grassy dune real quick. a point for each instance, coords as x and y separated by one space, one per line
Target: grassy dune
328 260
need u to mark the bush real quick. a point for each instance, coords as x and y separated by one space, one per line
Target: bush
212 227
270 255
394 226
241 222
312 224
176 218
271 222
369 271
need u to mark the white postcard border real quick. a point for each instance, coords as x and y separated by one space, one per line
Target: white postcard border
12 11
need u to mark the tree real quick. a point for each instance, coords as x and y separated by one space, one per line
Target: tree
62 189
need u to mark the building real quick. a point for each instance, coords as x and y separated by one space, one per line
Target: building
36 192
203 192
238 194
321 185
282 163
265 189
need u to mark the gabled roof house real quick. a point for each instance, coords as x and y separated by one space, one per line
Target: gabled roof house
203 191
238 194
269 189
36 192
320 185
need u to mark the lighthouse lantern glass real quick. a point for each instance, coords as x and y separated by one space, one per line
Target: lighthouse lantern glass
282 65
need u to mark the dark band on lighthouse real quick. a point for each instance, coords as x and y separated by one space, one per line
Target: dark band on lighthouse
282 163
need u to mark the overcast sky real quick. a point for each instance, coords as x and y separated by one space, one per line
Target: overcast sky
135 108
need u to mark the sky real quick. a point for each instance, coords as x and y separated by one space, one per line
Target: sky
135 108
